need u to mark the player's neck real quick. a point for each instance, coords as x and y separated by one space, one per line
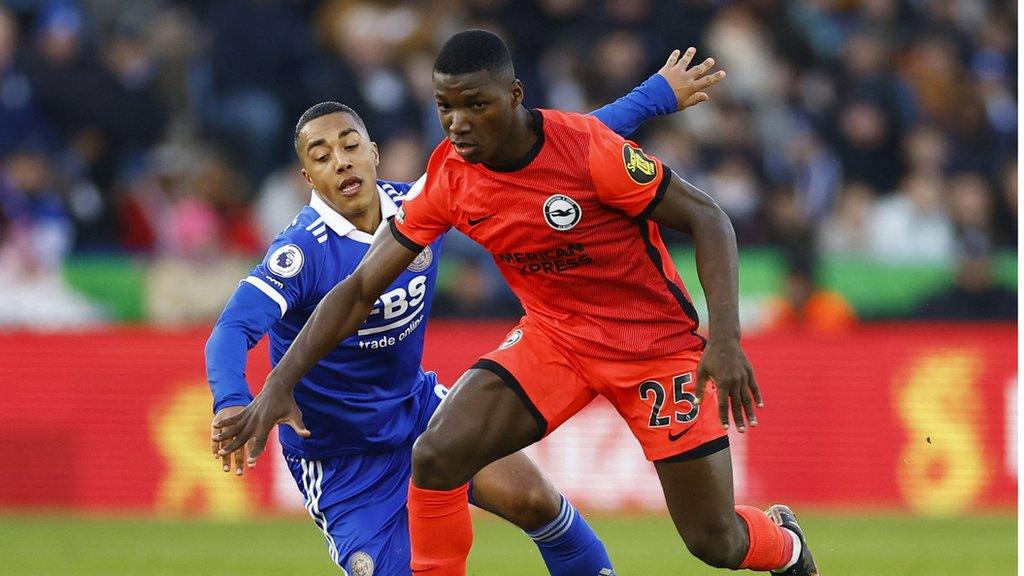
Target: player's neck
521 137
366 221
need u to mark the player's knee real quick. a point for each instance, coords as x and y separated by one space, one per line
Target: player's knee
721 547
428 465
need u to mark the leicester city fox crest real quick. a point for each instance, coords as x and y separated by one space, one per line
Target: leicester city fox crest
422 261
360 564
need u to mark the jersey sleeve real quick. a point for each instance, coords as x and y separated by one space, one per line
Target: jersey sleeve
288 273
652 98
425 213
625 177
247 316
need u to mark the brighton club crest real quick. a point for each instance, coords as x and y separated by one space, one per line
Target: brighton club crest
562 212
513 338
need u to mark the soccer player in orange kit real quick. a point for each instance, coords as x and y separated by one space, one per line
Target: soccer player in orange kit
570 213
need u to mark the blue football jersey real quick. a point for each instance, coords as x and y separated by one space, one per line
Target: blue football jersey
364 395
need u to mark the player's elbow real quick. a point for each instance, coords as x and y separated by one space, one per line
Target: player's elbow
714 215
364 295
713 221
213 343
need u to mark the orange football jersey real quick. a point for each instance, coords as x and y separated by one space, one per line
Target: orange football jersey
568 229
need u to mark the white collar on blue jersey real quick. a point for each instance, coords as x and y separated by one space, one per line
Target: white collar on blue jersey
342 226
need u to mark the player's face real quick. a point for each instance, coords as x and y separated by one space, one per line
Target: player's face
476 112
340 162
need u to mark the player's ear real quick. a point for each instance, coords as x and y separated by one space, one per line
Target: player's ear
517 93
306 176
376 153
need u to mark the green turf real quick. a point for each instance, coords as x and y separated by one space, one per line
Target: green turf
878 545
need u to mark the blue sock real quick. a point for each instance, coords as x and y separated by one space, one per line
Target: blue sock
570 547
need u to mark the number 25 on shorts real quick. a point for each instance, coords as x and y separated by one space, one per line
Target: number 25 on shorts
653 390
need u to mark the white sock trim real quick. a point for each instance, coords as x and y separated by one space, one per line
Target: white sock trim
556 527
797 548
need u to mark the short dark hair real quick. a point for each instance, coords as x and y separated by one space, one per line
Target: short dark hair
475 50
323 109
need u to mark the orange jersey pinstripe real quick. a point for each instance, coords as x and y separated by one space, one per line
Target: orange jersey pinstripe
568 229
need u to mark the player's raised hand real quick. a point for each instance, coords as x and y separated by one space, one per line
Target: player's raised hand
689 84
252 424
234 461
726 364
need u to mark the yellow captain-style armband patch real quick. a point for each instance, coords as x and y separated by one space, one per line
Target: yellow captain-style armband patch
640 168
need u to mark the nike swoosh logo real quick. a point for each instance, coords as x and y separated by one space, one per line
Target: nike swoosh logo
475 221
673 437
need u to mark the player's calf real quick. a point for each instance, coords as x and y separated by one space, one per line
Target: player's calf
721 543
515 489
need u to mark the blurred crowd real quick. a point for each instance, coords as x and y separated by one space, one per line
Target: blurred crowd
874 129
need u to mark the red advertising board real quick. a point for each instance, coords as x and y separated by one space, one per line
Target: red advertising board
917 417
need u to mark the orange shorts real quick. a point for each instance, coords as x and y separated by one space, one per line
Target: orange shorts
655 397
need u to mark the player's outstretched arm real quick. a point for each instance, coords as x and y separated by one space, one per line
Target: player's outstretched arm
686 208
674 87
337 317
248 315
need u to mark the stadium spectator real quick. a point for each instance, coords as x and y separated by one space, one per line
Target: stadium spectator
283 194
403 157
926 150
256 65
19 114
846 231
974 295
866 143
364 42
912 226
814 171
100 119
36 235
804 304
203 235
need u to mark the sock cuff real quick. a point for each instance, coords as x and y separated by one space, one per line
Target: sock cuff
770 546
557 527
427 503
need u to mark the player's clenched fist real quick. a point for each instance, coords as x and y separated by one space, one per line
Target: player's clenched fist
725 363
247 430
689 84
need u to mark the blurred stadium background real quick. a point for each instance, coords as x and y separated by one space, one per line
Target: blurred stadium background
866 151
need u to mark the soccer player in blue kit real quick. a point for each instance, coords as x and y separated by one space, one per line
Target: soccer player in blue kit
369 399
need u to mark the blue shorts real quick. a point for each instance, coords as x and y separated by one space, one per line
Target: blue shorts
359 501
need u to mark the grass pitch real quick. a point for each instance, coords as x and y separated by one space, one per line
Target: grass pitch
844 545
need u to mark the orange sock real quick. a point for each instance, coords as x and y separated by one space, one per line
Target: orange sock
771 547
440 529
